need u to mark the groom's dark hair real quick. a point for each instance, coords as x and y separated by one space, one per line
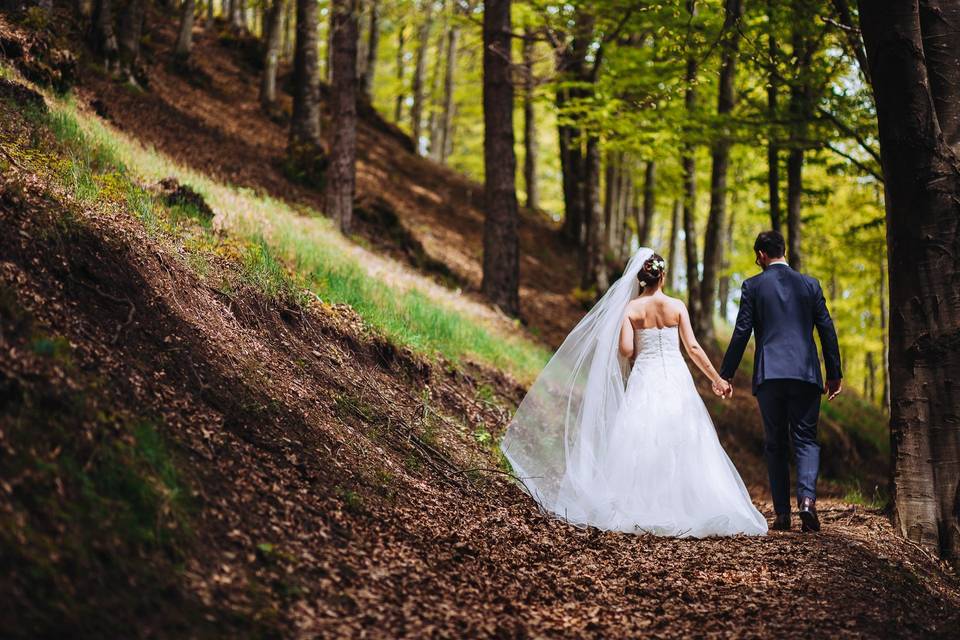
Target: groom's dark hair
771 243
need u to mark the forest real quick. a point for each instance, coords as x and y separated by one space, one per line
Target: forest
275 274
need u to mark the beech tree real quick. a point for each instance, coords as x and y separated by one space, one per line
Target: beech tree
185 35
271 54
341 175
501 253
305 143
914 67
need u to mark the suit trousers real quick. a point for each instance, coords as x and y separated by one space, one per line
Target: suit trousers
790 410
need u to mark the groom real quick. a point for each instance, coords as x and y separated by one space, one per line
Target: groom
782 306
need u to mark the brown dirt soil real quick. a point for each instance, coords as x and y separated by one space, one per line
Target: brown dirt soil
298 428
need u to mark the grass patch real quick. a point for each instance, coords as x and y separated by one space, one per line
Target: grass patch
275 235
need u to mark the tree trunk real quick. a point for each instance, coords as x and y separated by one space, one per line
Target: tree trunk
773 151
595 268
922 183
104 36
398 104
672 251
611 197
185 36
341 176
129 36
449 86
373 44
649 202
529 124
236 14
434 119
714 239
271 55
570 66
305 121
804 14
288 25
689 169
723 287
940 21
423 43
501 251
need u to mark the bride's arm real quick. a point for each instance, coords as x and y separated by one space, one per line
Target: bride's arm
626 338
694 350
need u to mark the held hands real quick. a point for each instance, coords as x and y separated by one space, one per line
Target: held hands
834 387
722 388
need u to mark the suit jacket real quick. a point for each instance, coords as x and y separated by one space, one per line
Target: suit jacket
782 306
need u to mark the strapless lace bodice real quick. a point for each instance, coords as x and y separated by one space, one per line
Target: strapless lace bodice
654 343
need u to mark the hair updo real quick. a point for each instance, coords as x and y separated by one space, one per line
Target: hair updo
652 271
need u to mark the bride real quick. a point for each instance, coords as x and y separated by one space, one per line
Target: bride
613 432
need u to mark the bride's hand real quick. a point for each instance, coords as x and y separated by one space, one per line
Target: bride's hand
722 388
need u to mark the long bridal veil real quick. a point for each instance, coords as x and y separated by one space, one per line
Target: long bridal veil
562 425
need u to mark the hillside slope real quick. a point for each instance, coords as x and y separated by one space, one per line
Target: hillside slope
192 447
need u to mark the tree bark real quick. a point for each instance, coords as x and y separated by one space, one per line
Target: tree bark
104 35
716 221
305 121
185 35
571 65
672 250
689 168
940 21
236 14
423 43
449 87
271 55
649 202
723 287
129 36
341 176
434 119
595 268
922 183
803 15
501 252
773 148
398 104
529 124
373 44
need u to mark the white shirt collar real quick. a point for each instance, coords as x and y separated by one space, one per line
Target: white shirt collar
782 264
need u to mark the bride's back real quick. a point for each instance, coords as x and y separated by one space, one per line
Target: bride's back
657 310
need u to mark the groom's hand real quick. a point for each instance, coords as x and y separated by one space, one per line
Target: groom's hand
722 388
834 387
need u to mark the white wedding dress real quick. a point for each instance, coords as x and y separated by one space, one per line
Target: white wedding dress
633 449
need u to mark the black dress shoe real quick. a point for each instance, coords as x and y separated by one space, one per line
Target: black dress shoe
808 515
782 522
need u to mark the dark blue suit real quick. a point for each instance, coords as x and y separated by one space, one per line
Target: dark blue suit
782 307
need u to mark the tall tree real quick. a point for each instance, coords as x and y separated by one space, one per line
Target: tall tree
673 263
271 54
689 168
419 69
572 71
713 242
594 271
918 126
649 202
803 17
373 44
398 103
529 122
129 36
773 149
501 254
445 128
305 144
341 175
185 35
104 36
